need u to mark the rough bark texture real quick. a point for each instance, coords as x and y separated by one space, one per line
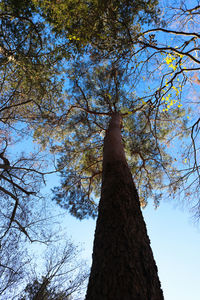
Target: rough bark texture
123 265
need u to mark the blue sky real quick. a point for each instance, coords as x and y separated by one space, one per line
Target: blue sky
175 242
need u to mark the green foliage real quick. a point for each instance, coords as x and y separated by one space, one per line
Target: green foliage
106 25
94 95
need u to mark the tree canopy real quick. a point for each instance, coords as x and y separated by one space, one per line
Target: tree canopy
32 52
95 94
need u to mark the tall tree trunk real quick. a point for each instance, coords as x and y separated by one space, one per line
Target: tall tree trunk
123 266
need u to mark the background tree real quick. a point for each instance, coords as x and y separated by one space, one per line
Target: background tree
13 264
63 276
174 55
57 273
28 96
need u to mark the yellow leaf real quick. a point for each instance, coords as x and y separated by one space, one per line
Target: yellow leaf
166 83
173 67
177 91
168 60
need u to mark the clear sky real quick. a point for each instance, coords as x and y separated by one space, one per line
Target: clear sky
175 242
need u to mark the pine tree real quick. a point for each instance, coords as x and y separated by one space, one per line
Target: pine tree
123 265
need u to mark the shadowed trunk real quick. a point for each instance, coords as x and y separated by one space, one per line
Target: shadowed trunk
123 266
